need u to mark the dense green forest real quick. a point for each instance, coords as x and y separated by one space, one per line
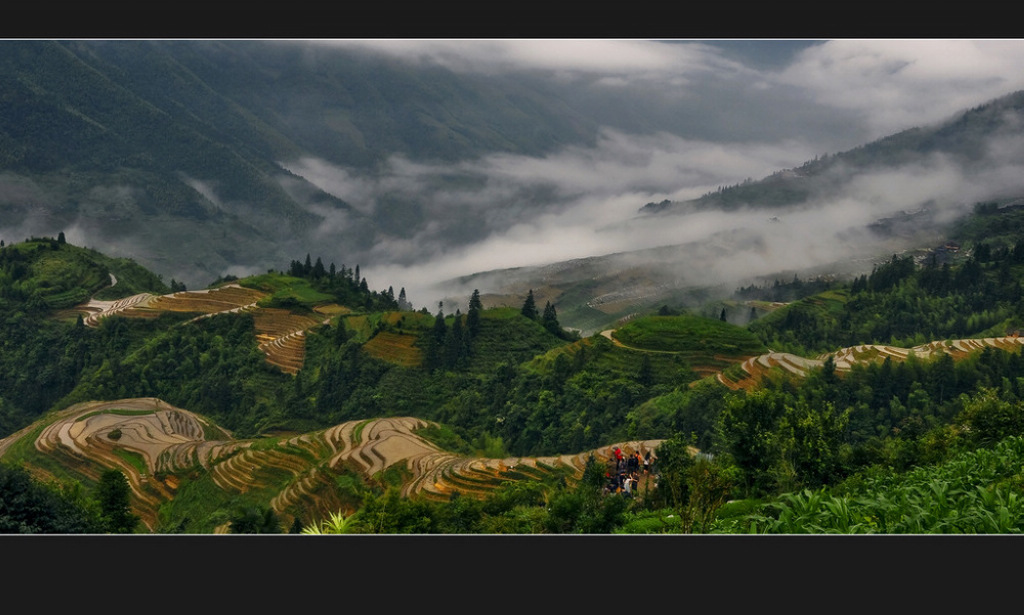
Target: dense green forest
858 450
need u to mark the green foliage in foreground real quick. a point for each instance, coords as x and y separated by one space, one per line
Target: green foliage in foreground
28 506
524 507
976 492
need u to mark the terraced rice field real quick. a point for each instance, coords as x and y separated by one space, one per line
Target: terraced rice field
282 336
163 437
96 309
280 333
396 348
756 367
172 442
231 298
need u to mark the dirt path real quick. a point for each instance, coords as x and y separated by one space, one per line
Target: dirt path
608 333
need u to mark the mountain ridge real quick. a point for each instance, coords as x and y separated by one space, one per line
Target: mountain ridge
962 136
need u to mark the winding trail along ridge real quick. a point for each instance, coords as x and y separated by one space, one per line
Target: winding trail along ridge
608 334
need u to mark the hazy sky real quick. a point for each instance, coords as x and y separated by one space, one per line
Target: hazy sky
681 118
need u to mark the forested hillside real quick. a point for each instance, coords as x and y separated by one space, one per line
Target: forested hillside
511 383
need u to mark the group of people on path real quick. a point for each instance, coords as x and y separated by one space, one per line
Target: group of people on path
625 478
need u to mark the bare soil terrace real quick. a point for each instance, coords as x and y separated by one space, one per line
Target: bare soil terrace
280 333
755 367
154 444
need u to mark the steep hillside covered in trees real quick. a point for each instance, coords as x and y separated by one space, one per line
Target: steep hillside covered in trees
509 383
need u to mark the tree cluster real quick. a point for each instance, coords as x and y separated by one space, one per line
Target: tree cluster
346 284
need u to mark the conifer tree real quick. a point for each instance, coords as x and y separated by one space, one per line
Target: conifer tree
550 319
473 316
530 307
434 354
114 495
454 343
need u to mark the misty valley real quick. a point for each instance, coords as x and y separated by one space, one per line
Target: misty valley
295 287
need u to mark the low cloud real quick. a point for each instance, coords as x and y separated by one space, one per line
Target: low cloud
681 119
895 84
721 246
613 63
506 211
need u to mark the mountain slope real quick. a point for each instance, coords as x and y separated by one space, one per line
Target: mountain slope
167 452
203 424
965 141
173 151
835 216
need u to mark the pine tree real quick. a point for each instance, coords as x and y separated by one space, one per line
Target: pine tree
473 316
550 319
403 303
530 307
434 354
114 495
454 346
